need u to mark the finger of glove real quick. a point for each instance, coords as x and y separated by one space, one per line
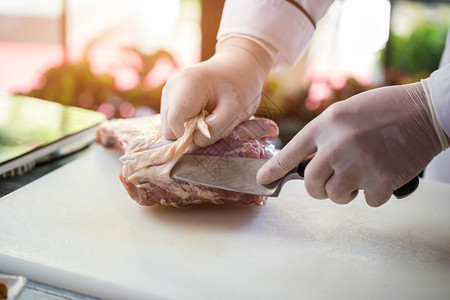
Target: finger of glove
182 99
378 195
289 157
317 173
221 122
342 188
165 126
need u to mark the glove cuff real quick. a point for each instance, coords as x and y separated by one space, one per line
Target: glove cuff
432 115
268 48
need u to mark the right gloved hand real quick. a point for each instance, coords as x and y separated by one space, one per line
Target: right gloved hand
228 86
375 141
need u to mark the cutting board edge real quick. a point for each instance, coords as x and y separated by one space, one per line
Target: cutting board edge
71 281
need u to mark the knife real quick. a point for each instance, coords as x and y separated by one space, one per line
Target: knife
239 174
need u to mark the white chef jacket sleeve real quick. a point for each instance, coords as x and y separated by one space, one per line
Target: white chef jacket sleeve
284 25
439 84
445 59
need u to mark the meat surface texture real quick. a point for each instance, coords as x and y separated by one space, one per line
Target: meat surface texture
148 158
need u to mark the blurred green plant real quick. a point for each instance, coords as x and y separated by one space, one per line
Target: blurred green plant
414 56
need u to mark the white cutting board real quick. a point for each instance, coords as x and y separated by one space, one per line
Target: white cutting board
77 229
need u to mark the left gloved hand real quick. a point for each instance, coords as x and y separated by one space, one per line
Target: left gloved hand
228 86
376 141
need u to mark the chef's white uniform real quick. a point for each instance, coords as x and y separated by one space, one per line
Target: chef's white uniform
284 28
439 167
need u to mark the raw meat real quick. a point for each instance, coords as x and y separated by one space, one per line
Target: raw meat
148 158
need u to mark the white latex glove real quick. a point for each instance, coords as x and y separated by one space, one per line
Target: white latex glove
376 141
228 86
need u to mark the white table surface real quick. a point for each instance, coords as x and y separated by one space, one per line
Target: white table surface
77 229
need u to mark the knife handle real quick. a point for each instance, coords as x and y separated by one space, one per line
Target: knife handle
402 192
407 189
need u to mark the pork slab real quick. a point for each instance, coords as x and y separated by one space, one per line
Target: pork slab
148 158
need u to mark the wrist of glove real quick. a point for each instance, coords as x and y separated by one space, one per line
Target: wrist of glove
375 141
443 138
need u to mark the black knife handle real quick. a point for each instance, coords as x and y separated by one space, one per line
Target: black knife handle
402 192
301 168
407 189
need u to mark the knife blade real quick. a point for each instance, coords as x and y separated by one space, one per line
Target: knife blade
239 174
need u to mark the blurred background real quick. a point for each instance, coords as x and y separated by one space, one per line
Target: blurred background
115 56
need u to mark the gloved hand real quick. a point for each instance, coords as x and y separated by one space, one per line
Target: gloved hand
376 141
228 86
